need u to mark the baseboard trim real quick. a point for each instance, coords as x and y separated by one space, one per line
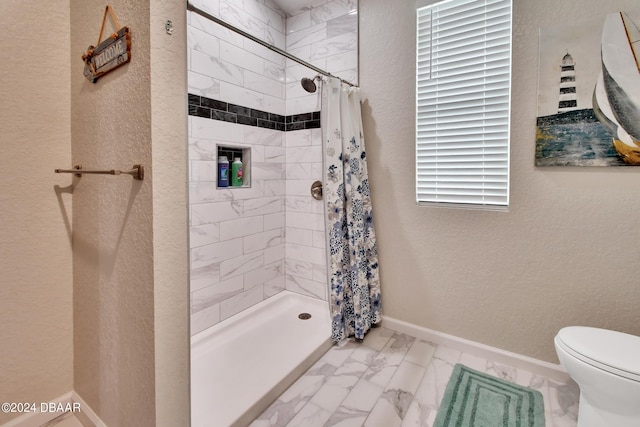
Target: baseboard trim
87 416
47 415
518 361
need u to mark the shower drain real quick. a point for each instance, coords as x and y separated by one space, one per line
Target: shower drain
304 316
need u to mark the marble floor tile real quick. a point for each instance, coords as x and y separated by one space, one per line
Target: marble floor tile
383 414
363 396
340 353
407 378
474 362
396 380
334 391
417 415
345 417
377 338
421 353
433 384
310 415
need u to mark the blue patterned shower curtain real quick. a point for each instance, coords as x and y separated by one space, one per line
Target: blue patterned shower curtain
352 252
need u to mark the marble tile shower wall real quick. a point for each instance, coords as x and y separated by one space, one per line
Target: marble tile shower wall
306 261
236 235
325 34
226 66
248 244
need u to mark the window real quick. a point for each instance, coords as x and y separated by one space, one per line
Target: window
463 85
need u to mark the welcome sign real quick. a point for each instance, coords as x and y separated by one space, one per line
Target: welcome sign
109 54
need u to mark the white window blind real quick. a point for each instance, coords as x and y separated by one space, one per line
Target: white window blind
463 97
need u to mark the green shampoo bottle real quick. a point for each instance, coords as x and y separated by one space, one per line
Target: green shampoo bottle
236 173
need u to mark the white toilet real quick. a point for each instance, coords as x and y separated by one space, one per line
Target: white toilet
606 366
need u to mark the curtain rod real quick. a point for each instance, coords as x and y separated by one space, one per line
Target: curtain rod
192 8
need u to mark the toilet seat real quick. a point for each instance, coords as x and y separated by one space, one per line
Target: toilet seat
615 352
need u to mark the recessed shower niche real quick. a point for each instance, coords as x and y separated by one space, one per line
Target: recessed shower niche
234 167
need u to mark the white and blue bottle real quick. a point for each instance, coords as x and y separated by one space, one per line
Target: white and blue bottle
223 171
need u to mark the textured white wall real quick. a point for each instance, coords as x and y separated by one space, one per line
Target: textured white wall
170 228
36 327
130 253
112 224
127 327
564 254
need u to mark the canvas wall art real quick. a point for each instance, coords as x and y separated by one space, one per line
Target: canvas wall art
589 93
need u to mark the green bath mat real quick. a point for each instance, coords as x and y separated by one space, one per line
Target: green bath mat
476 399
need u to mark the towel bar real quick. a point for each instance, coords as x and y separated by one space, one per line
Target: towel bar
137 172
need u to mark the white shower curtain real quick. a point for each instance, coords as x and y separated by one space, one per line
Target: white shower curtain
352 252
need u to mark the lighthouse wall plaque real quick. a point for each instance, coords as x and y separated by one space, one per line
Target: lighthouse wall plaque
589 93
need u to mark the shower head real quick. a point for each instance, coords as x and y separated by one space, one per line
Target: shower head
309 84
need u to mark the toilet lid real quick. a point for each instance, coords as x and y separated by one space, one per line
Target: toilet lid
612 351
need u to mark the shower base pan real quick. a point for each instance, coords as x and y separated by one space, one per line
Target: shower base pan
241 365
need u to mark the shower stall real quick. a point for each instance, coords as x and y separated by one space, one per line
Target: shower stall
258 250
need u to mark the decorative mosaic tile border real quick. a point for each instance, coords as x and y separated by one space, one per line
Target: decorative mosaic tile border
219 110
